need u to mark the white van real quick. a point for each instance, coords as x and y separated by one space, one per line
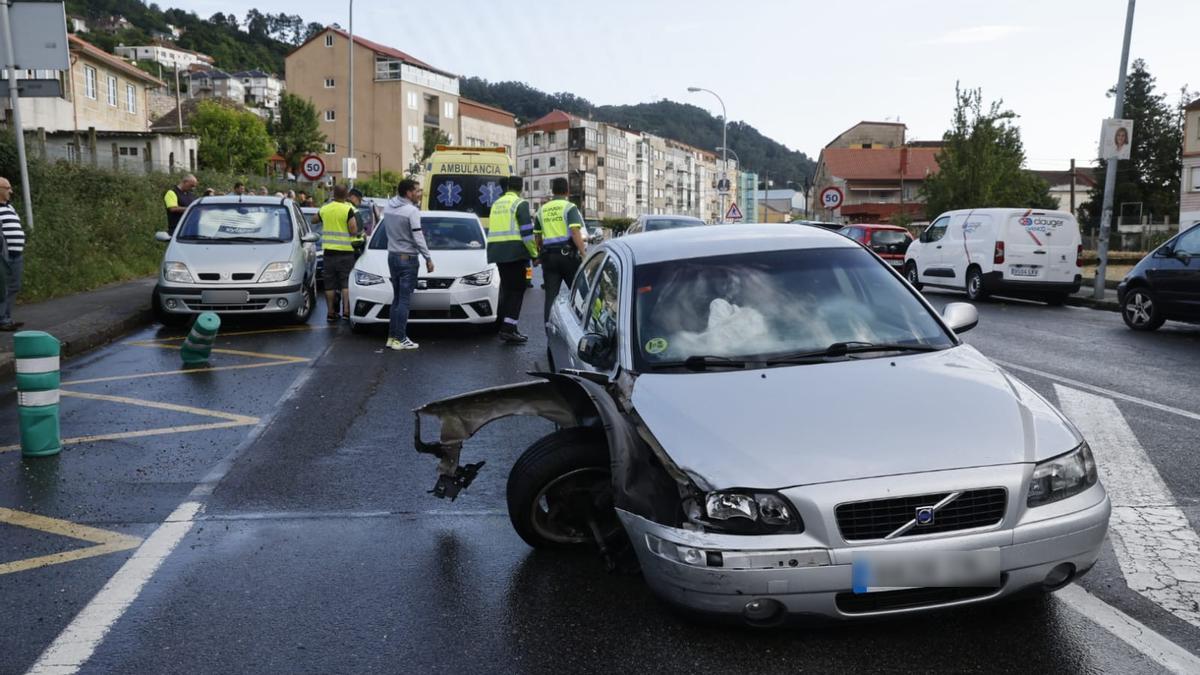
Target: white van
1018 252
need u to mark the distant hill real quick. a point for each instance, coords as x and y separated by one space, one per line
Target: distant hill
683 122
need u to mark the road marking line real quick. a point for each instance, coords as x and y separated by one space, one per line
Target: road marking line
167 373
1157 549
1100 390
1159 649
104 540
291 329
78 641
233 352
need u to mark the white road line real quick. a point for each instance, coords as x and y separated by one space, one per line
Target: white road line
1157 549
75 645
1099 390
1131 631
79 640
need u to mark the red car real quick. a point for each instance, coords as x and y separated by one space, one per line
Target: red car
889 241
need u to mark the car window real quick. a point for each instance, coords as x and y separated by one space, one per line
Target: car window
441 234
236 223
891 241
301 221
937 230
605 304
652 224
582 286
1189 242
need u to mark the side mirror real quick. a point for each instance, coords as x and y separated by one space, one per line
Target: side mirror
1167 251
960 316
596 350
310 238
163 237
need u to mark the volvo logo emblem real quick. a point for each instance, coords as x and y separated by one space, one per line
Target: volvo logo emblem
924 515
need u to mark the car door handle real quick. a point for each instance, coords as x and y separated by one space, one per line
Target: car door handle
938 246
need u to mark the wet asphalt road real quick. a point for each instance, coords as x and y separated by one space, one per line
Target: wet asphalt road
319 550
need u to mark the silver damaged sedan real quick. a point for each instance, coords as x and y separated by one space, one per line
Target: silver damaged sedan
770 422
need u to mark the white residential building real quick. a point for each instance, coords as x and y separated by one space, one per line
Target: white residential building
169 57
263 90
215 83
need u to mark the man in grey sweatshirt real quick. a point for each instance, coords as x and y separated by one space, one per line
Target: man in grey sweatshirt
402 222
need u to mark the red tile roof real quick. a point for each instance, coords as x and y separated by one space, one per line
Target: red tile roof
1194 105
115 62
879 164
551 121
383 50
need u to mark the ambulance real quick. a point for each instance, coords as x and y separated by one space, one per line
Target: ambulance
461 178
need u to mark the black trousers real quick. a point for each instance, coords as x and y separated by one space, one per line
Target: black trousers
559 266
512 291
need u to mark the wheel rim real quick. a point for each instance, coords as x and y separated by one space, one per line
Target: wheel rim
1139 309
559 511
973 285
306 304
912 274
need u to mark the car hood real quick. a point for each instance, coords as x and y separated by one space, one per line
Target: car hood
229 258
446 263
847 420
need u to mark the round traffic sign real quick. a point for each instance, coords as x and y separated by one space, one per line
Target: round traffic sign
312 167
832 197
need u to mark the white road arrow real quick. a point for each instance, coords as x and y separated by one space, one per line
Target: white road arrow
1157 549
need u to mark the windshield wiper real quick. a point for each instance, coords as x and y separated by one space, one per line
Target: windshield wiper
247 239
847 348
702 363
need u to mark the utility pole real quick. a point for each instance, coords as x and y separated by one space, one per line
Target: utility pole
724 148
352 81
1110 176
1072 186
178 104
14 99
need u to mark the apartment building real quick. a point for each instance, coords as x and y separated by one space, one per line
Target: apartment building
169 57
396 98
1189 193
485 126
260 90
215 84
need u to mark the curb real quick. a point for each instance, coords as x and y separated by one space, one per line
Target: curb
1106 305
77 345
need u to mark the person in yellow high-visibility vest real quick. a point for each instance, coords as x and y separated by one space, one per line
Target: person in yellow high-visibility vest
337 244
511 246
558 232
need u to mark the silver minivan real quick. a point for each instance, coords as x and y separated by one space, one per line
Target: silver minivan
238 255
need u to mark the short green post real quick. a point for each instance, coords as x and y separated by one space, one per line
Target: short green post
37 359
199 343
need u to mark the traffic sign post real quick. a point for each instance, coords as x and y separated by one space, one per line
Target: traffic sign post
832 198
734 213
312 168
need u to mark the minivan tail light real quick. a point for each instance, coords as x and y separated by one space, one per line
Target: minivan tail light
998 255
1079 255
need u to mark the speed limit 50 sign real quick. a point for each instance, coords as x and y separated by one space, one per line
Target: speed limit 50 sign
832 197
312 167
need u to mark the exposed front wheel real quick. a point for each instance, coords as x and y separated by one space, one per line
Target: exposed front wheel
975 290
307 302
910 273
1141 310
560 491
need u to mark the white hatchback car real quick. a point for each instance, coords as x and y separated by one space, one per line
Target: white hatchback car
464 288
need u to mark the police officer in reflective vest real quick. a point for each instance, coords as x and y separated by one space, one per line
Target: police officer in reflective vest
511 246
558 231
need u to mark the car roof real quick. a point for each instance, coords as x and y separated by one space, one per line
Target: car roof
452 214
1009 211
700 242
243 199
878 226
668 216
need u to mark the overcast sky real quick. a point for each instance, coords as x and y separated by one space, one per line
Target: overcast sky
800 71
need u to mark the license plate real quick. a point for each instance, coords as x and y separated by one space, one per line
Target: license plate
1024 270
889 570
224 297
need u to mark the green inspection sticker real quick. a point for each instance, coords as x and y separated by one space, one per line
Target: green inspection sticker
656 346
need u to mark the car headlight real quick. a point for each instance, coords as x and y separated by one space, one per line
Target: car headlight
749 512
478 279
367 279
276 271
1062 477
177 272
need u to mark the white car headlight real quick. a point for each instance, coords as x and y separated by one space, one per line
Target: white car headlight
177 272
478 279
367 279
276 271
750 513
1062 477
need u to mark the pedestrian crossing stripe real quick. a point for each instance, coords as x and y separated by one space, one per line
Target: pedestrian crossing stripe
103 541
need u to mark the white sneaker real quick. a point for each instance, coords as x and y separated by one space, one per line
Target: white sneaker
406 343
392 343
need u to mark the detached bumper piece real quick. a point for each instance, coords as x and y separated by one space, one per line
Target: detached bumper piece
450 486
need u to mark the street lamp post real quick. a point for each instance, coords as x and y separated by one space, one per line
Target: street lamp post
724 145
351 139
739 162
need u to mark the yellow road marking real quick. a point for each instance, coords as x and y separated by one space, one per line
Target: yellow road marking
287 329
160 405
189 371
104 540
233 352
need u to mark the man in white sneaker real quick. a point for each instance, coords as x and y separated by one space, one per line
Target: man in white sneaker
402 221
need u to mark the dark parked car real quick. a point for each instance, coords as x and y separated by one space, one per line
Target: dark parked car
1164 285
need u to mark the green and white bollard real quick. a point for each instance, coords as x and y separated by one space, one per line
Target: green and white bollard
37 357
199 343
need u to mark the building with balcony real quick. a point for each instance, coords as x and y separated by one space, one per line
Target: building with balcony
396 98
1189 191
262 90
215 84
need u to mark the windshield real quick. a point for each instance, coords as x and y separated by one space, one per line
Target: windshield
475 194
237 223
441 234
755 306
652 224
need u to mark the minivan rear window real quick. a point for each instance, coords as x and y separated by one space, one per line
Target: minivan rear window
890 241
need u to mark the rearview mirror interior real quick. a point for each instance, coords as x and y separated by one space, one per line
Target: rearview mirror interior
960 316
162 236
596 350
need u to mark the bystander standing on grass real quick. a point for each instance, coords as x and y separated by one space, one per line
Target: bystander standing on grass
12 254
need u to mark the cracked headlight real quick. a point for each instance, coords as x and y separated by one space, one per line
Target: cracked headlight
276 271
177 272
1064 476
749 512
367 279
478 279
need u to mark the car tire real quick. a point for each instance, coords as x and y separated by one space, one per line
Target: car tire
308 303
557 485
1142 309
1057 299
975 289
910 273
163 316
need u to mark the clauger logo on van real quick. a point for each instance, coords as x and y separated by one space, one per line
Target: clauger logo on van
1041 224
1026 222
